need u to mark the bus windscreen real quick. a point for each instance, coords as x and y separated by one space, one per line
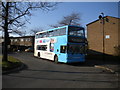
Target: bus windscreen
76 31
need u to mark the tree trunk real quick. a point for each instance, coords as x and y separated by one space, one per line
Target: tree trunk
5 44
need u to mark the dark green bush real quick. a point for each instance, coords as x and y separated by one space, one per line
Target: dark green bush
117 50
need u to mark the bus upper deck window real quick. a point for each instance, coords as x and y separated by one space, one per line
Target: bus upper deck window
50 33
36 36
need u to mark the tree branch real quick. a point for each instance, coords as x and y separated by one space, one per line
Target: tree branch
3 5
11 21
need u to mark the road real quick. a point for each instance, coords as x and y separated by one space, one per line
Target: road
41 73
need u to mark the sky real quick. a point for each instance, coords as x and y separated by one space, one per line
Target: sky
89 11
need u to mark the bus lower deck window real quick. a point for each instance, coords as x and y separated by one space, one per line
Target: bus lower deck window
63 49
42 47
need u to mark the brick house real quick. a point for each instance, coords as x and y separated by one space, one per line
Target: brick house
22 41
111 34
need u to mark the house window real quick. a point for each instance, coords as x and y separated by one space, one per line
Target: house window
27 39
22 40
15 40
12 40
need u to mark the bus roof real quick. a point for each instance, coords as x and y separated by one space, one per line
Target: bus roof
57 28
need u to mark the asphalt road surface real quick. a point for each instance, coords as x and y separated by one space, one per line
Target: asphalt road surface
40 73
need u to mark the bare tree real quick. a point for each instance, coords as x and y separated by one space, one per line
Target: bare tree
16 14
72 19
19 32
35 30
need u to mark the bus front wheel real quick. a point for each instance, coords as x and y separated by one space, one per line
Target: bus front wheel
56 59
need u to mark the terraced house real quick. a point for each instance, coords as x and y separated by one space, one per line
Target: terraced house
21 43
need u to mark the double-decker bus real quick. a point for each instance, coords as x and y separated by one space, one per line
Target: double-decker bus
63 44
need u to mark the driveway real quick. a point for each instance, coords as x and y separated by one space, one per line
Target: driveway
40 73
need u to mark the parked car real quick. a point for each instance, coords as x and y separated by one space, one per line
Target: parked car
30 49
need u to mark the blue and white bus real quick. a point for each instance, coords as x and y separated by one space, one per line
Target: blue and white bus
63 44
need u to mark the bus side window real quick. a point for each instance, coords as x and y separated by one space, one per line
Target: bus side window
39 35
50 33
38 47
36 36
56 32
42 47
51 47
63 49
62 31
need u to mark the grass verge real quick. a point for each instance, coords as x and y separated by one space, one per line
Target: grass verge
10 64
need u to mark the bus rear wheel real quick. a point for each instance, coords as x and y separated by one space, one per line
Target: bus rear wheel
38 54
56 59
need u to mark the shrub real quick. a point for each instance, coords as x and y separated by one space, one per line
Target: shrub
117 50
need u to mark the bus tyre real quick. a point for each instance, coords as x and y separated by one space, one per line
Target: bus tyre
56 59
39 55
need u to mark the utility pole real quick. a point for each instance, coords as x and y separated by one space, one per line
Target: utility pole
101 17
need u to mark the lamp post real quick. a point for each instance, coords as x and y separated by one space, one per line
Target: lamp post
101 17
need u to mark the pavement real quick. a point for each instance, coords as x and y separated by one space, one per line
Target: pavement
14 70
0 67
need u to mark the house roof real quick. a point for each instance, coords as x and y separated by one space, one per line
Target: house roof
23 37
99 19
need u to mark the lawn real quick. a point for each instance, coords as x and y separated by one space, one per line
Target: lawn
10 64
